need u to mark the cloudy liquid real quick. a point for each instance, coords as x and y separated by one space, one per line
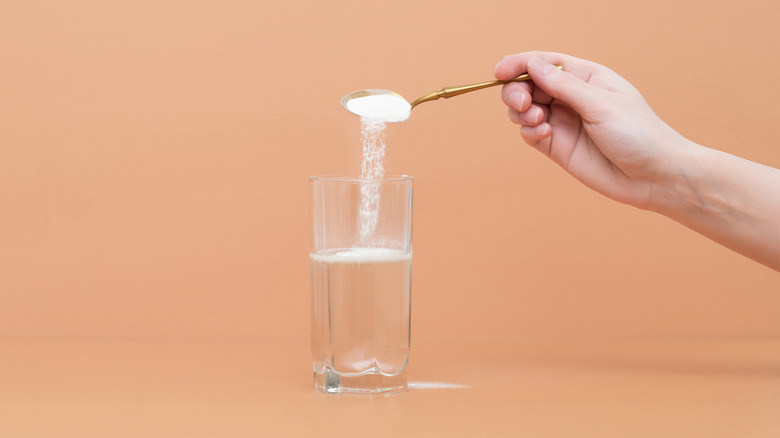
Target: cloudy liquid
360 318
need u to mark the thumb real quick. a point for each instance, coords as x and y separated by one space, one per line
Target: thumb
581 96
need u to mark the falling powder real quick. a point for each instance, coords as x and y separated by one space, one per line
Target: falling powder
375 112
372 171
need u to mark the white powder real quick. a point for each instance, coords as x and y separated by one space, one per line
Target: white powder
385 107
372 171
362 255
375 112
436 385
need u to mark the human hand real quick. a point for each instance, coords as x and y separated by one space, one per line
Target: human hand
593 123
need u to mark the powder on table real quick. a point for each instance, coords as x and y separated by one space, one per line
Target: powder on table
385 107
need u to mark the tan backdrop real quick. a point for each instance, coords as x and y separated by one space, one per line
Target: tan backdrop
154 155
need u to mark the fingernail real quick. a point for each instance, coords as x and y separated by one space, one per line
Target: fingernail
496 68
516 100
540 65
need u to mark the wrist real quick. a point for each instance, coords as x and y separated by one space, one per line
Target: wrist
676 186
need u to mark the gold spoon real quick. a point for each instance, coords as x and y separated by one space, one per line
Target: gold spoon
445 93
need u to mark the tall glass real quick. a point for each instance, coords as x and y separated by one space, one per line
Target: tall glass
361 271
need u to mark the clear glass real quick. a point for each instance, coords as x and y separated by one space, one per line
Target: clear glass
361 271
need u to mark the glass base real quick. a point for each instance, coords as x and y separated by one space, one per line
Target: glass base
368 383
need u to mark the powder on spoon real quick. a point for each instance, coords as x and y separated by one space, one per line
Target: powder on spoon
385 107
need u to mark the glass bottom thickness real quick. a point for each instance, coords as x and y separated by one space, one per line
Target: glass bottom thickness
331 382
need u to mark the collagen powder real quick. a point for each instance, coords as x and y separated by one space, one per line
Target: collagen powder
385 107
375 112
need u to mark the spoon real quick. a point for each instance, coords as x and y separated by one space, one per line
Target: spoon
445 93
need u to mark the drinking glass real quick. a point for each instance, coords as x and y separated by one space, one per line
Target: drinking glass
361 266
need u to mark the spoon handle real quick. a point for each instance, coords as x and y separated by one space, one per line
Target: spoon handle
455 91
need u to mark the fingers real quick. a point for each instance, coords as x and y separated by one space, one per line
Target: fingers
584 98
536 135
516 95
512 66
531 117
528 106
570 85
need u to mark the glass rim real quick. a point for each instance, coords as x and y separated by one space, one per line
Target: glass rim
357 179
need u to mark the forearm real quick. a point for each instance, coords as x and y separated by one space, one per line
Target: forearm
730 200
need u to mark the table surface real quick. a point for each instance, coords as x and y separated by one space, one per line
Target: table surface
491 388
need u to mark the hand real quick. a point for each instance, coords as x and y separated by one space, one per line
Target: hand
593 123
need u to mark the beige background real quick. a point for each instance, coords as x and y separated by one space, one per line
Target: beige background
154 155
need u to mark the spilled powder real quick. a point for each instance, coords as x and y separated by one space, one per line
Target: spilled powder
436 385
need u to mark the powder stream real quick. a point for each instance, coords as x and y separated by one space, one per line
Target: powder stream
372 172
375 112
